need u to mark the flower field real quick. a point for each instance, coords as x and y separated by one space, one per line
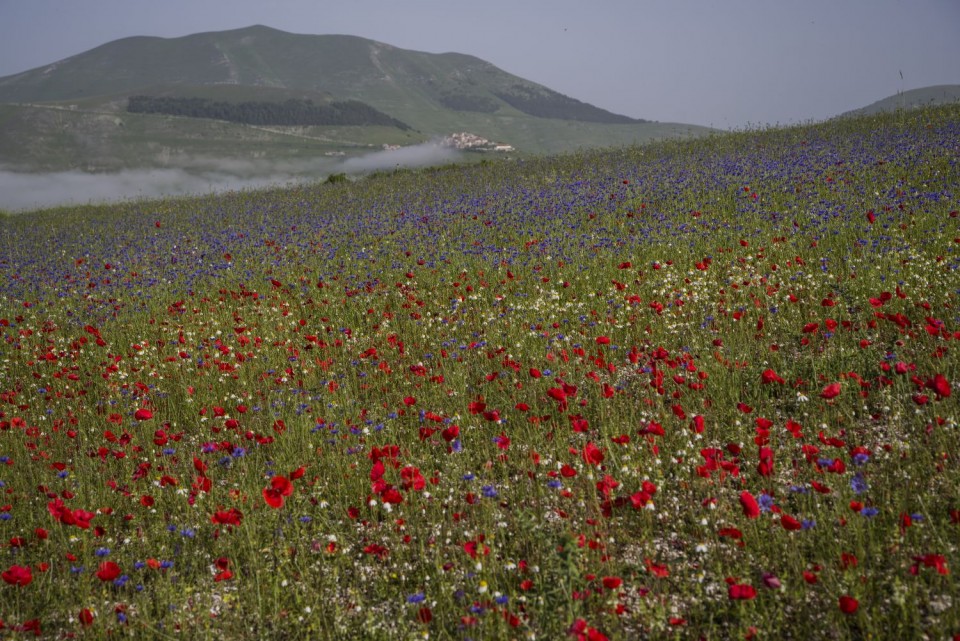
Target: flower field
690 390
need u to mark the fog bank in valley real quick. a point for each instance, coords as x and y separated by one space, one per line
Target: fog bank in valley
200 175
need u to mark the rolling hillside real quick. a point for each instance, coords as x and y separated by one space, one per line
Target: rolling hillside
72 113
922 97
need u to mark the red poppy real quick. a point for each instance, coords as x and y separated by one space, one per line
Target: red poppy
698 424
108 571
937 561
940 385
280 487
612 582
659 571
18 575
412 479
450 433
769 376
741 592
62 513
592 455
848 605
751 509
730 532
794 428
765 466
143 415
233 516
476 407
392 495
831 391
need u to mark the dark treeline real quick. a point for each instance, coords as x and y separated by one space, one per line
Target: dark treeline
550 104
468 102
291 112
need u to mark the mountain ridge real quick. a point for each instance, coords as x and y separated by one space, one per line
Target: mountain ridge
67 104
921 96
346 66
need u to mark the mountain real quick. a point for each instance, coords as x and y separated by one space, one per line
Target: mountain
923 97
75 111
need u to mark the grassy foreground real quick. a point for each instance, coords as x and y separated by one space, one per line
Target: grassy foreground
696 390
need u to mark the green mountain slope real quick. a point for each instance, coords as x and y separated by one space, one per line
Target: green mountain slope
435 94
922 97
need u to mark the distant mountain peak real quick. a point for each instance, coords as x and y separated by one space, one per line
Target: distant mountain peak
350 67
384 94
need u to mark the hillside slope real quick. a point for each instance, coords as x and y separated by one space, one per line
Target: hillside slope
922 97
435 94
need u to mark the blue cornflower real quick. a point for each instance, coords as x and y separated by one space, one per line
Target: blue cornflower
765 501
419 597
489 491
869 511
859 484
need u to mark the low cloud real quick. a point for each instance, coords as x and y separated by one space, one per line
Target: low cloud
412 156
199 175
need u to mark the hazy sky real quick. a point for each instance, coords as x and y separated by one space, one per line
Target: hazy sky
726 63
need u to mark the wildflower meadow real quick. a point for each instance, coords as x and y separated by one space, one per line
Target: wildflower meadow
700 389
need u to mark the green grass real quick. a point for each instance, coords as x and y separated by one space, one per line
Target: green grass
418 335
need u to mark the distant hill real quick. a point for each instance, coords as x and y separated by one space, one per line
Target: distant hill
80 104
923 97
